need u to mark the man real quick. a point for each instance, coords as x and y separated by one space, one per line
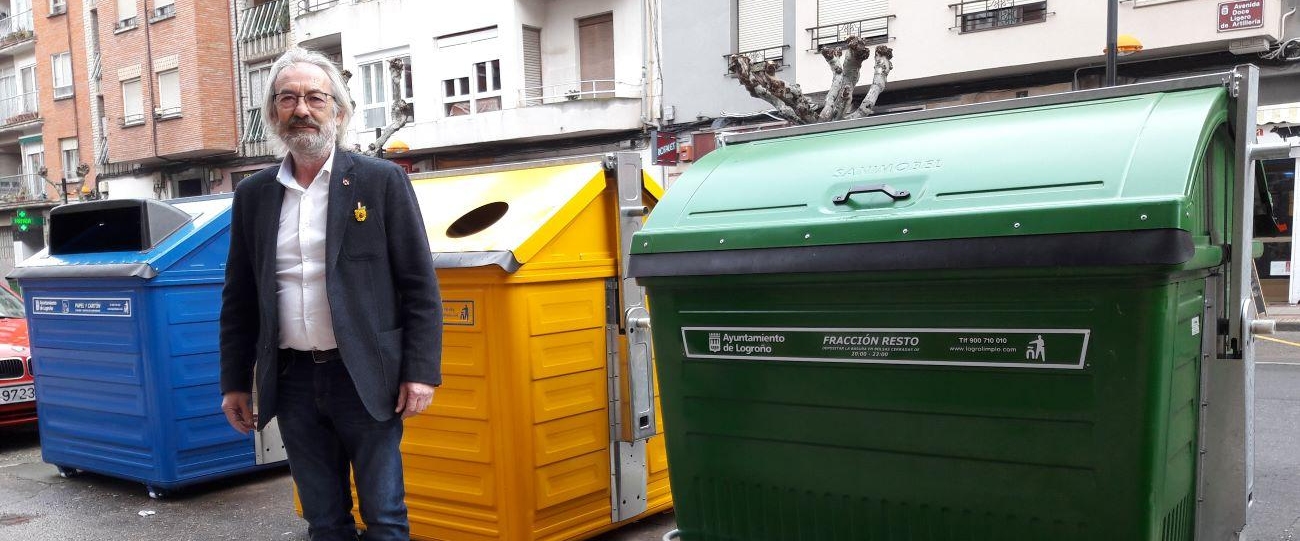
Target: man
332 303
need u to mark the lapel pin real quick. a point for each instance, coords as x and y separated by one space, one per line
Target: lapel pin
347 182
360 212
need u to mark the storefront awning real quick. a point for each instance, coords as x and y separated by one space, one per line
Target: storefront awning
1282 113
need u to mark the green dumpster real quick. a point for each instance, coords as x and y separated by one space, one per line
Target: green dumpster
996 322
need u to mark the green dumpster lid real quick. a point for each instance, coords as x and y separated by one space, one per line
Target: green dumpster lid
1078 178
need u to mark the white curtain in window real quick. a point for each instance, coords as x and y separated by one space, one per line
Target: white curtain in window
132 99
125 9
843 11
760 24
169 90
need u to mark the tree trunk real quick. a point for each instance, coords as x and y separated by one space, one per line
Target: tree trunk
399 112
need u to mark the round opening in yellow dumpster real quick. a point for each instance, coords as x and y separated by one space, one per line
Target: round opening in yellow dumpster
477 220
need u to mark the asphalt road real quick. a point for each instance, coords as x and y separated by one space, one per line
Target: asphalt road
36 504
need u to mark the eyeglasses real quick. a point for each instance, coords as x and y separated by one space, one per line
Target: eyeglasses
289 100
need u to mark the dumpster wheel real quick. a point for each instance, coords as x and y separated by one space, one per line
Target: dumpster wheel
157 493
67 472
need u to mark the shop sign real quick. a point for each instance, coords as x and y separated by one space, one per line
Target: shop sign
1241 15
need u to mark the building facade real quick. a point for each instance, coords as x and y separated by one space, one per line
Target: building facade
493 81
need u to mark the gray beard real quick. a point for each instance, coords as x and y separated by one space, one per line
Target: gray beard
317 145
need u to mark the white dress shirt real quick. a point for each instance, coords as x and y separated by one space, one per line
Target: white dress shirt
305 321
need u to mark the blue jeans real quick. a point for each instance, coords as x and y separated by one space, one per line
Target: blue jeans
326 429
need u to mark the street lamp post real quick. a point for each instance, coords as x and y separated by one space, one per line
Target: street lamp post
1112 36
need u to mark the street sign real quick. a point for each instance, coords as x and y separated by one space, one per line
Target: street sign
1241 15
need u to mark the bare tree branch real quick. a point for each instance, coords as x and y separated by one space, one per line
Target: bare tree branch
884 65
790 102
846 65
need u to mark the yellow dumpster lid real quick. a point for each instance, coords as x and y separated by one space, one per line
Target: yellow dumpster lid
503 218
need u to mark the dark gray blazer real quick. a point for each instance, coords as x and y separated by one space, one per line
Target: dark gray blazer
382 290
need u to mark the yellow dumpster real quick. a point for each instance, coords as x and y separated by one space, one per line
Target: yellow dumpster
544 426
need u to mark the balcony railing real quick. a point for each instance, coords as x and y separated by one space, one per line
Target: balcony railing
265 20
760 57
874 30
577 90
308 6
16 28
18 109
979 15
22 187
254 128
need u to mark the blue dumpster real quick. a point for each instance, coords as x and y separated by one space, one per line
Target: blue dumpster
122 308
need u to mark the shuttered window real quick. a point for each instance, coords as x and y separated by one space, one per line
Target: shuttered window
532 66
843 11
760 25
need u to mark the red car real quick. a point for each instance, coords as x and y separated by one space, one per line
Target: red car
17 391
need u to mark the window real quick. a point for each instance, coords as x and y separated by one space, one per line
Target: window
532 66
974 16
68 157
126 14
839 19
163 9
760 29
254 128
169 94
479 94
455 94
487 87
58 7
62 68
132 103
376 85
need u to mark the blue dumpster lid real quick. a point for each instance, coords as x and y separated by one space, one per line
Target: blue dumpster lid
178 226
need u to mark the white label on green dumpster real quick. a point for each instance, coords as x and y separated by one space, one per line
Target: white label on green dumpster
82 306
1008 348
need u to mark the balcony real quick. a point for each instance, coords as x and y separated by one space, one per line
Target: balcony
19 109
24 187
309 6
16 30
759 58
873 31
264 29
253 141
980 15
576 109
577 90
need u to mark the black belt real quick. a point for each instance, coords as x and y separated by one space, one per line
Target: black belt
316 355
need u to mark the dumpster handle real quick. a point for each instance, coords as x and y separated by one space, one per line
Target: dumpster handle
868 188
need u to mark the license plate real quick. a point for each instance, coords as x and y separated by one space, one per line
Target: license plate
18 393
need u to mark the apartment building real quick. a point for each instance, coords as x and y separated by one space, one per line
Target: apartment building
65 143
951 53
166 99
23 187
491 81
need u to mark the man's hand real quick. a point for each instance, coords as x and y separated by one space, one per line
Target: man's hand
413 398
238 407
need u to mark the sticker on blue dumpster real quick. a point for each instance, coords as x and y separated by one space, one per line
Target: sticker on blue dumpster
82 306
1004 348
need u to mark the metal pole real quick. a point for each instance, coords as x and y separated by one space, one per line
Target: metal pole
1112 35
64 182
